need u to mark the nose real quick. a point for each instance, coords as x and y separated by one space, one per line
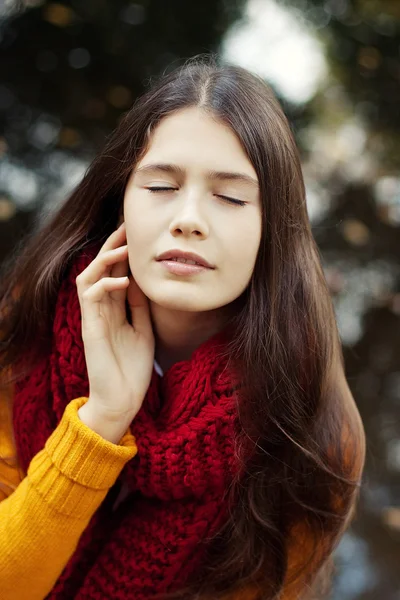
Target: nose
188 217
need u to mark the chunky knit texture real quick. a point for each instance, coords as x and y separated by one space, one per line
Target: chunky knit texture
179 479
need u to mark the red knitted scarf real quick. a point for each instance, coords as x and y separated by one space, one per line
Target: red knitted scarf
155 540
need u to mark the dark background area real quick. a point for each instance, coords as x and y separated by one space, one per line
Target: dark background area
69 70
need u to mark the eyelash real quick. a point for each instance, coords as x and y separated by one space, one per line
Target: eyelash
164 189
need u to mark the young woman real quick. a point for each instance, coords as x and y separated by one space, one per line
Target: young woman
170 429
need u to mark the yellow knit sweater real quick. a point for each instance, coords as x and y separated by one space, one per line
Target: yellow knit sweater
43 518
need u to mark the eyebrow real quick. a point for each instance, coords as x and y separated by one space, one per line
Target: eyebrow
218 175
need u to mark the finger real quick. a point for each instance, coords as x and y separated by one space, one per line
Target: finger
119 269
92 300
99 267
115 239
96 293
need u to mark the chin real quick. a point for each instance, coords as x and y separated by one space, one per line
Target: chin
182 304
181 301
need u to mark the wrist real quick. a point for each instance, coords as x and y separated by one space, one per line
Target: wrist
111 427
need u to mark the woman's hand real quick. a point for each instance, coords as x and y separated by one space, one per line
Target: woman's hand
119 356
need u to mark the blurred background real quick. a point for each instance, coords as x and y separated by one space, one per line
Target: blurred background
68 70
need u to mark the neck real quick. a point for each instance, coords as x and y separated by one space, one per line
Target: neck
178 333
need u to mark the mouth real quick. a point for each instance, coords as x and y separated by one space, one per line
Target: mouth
190 258
178 267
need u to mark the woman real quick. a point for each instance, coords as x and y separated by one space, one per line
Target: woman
177 430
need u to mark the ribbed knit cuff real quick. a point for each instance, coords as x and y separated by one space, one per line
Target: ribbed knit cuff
77 466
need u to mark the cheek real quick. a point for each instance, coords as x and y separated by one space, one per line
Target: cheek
139 228
138 248
243 247
136 216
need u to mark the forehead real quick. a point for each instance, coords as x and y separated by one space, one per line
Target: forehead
191 138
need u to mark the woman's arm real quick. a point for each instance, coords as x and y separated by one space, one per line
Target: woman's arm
42 520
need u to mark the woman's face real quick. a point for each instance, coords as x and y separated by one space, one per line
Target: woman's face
192 215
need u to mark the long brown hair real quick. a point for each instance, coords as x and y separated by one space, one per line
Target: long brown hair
301 441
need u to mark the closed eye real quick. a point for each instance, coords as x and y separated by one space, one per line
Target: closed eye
160 189
154 190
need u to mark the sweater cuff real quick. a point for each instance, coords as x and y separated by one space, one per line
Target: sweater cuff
77 466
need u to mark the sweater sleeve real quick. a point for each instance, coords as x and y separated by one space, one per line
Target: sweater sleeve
42 520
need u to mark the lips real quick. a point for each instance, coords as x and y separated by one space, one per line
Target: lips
175 254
